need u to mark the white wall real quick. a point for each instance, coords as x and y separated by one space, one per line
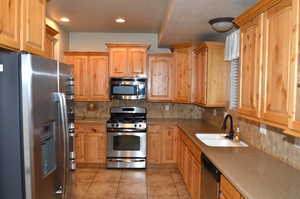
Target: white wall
89 41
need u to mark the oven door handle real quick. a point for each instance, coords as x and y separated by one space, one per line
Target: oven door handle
138 134
126 160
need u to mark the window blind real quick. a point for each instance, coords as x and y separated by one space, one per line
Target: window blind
234 83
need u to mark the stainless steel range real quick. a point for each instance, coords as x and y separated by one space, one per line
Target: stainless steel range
127 138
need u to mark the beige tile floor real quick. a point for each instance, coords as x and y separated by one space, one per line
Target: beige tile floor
128 184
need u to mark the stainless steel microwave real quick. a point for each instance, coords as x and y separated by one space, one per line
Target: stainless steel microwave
128 88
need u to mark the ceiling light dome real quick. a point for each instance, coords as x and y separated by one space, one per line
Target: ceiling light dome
222 24
120 20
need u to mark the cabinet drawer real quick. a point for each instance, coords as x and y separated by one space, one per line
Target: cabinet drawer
90 128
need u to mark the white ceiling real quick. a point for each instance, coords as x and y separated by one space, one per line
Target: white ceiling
143 16
176 20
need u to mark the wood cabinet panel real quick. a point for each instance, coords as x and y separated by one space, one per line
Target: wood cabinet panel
79 147
33 38
91 75
118 62
137 60
277 54
99 73
183 74
154 148
196 178
169 145
228 191
95 148
250 70
160 78
212 74
81 80
10 23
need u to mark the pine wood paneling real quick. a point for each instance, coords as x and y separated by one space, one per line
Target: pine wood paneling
160 77
137 61
10 25
118 62
82 81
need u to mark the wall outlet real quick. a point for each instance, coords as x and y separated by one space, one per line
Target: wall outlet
1 67
167 107
263 129
215 112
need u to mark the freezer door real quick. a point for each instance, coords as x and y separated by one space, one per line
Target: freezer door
41 135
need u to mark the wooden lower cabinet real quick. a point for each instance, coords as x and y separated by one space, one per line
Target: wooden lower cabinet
162 144
228 191
189 165
90 144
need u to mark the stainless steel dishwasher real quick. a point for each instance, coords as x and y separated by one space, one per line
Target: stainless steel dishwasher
210 181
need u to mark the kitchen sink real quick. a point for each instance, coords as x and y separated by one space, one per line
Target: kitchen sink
219 140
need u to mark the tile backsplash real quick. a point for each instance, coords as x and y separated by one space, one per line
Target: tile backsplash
280 146
96 110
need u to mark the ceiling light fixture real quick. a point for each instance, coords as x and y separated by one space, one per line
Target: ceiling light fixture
222 24
120 20
64 19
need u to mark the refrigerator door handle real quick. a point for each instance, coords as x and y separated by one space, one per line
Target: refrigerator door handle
61 99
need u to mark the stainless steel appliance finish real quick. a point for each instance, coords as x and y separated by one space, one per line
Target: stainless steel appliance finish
127 138
128 88
34 135
210 180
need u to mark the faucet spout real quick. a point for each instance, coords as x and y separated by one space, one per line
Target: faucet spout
224 126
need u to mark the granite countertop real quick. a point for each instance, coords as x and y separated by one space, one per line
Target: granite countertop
254 173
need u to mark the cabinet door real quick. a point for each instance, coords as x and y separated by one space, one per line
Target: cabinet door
79 147
276 77
160 78
250 69
68 59
187 173
154 146
183 75
10 23
137 59
95 147
169 145
196 178
201 76
98 66
34 26
118 64
81 78
180 149
228 190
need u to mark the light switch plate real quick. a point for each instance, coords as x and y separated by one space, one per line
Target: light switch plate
263 129
167 107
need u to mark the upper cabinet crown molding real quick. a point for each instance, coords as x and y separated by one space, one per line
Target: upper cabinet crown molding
259 8
86 53
128 45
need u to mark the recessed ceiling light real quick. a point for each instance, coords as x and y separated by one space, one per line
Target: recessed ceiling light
120 20
64 19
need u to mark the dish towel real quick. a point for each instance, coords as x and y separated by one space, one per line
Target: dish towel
232 46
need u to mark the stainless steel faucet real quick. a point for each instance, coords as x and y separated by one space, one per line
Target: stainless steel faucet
230 135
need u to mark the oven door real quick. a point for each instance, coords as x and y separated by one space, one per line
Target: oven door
127 145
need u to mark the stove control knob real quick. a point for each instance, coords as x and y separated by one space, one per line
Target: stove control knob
140 125
135 125
117 125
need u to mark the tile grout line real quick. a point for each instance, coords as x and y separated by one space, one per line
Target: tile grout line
119 184
90 184
175 185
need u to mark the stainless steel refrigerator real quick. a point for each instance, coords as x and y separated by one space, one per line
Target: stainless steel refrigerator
36 127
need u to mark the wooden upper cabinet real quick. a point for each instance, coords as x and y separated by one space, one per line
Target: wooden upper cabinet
91 75
98 66
250 68
10 23
160 77
137 61
276 70
118 62
183 72
33 37
212 74
127 60
81 80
